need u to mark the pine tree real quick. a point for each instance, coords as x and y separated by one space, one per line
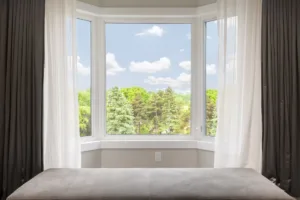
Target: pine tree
154 111
138 112
119 115
170 114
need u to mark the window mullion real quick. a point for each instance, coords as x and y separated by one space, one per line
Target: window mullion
197 80
98 80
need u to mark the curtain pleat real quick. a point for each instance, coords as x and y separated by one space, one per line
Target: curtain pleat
238 139
281 93
21 92
61 118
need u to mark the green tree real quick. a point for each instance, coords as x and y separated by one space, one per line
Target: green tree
184 119
138 97
154 112
132 92
211 112
135 110
84 101
119 115
139 114
170 111
184 98
183 102
212 95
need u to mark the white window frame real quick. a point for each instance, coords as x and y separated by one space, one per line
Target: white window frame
204 16
151 20
99 17
92 20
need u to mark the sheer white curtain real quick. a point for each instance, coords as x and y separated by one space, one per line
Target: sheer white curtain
239 132
61 129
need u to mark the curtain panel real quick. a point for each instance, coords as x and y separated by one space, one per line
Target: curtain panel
21 92
61 118
281 93
239 130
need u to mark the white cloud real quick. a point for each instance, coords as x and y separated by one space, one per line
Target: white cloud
150 67
211 69
185 65
181 50
182 81
185 78
81 69
112 66
189 36
208 37
153 31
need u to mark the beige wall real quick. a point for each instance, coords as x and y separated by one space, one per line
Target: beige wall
205 159
117 158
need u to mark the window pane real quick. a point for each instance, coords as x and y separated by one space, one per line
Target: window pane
148 79
84 75
211 77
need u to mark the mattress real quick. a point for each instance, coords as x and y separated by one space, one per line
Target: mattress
145 183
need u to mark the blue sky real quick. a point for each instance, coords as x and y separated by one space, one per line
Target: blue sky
152 56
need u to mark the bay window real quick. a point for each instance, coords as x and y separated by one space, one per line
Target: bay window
147 76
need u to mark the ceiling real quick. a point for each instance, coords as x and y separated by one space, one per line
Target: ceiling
149 3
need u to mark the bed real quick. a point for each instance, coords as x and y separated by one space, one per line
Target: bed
145 183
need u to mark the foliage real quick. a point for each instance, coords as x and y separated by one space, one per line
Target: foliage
211 112
138 105
132 92
119 115
84 113
154 112
170 112
136 111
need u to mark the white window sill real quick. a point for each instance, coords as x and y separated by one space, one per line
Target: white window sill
147 144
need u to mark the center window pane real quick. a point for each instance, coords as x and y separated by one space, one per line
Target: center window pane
148 79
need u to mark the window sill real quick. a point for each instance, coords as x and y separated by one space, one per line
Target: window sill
139 144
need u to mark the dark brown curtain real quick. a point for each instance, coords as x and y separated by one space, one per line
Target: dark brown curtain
281 93
21 92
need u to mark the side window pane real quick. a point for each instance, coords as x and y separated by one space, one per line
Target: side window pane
211 59
84 75
148 79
